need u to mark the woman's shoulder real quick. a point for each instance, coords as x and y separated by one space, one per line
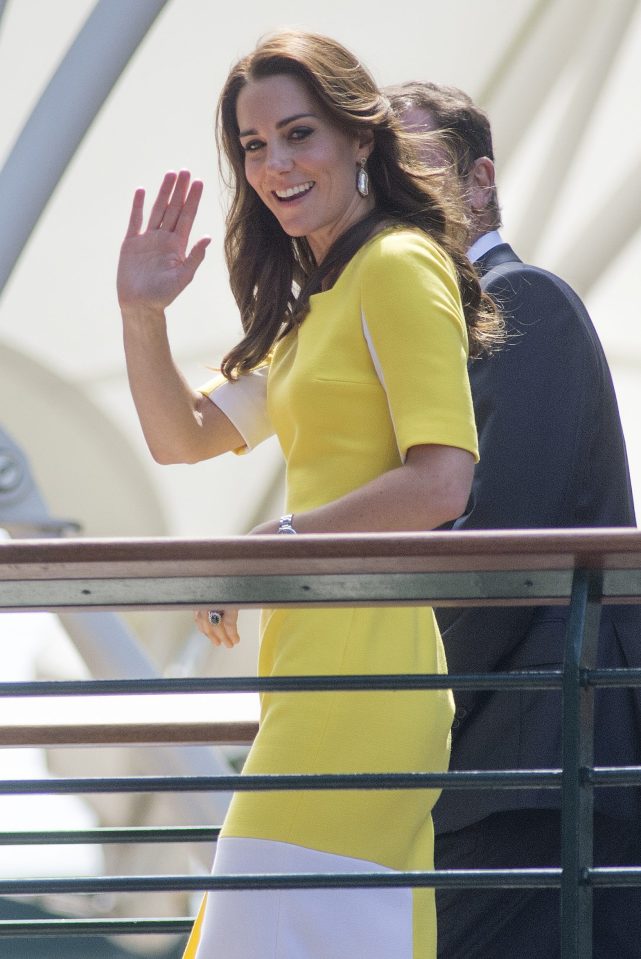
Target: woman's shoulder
402 254
401 246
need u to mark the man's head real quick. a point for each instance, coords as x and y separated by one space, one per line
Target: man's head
465 141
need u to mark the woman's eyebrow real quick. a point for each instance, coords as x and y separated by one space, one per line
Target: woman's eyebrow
281 123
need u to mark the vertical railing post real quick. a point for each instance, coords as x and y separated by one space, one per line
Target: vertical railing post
577 798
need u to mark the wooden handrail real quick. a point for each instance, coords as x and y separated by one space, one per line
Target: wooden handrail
441 568
563 549
128 734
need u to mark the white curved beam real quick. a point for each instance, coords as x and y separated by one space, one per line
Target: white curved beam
596 58
615 222
514 49
529 68
62 116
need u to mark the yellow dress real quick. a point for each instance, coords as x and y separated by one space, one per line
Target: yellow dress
378 366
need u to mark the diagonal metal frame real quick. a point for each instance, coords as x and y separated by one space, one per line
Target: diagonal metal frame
69 104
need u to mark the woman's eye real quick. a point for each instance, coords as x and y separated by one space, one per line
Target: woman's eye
252 145
300 133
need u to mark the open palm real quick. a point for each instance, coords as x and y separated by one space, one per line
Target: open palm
154 265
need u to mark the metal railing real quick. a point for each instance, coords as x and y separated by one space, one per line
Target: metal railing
581 568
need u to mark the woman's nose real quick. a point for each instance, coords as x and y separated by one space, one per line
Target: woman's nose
279 159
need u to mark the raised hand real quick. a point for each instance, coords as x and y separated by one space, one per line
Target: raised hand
154 265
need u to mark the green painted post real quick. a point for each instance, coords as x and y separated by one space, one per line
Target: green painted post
578 753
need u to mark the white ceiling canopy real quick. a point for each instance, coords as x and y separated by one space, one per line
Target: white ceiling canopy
98 98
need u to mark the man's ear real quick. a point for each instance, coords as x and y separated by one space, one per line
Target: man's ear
481 184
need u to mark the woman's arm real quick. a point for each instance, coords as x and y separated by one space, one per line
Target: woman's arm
180 425
431 488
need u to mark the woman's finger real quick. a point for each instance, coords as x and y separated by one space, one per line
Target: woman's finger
230 627
162 200
188 211
213 633
135 219
177 202
223 633
197 255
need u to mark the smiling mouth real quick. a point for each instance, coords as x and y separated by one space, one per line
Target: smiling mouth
293 192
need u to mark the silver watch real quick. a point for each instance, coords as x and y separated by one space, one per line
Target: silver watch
285 524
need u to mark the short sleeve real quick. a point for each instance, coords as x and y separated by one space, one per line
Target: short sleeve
244 403
414 324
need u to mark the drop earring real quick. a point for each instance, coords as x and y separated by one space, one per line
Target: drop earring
362 178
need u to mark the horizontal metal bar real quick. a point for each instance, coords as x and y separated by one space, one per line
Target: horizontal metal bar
291 589
456 779
41 928
470 878
612 775
522 679
371 589
621 583
611 677
613 876
108 834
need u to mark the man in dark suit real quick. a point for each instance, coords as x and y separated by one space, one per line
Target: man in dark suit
552 454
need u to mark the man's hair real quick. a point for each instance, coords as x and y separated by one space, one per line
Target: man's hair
464 126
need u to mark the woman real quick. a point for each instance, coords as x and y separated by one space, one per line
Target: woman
350 286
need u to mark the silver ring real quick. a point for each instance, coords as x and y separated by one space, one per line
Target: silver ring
215 616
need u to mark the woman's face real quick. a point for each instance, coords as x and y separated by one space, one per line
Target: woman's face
299 163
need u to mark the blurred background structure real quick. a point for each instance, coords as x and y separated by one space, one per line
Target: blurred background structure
98 97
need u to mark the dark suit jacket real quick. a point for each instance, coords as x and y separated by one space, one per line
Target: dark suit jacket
552 454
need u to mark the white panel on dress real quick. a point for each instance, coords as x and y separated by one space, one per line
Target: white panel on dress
377 366
305 923
244 402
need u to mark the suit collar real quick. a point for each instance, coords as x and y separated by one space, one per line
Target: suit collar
503 253
483 244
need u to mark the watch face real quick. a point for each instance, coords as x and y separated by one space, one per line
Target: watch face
285 525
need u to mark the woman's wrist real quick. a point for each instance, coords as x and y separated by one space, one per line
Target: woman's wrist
139 314
273 526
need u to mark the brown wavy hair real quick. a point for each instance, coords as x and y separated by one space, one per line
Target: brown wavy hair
272 275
